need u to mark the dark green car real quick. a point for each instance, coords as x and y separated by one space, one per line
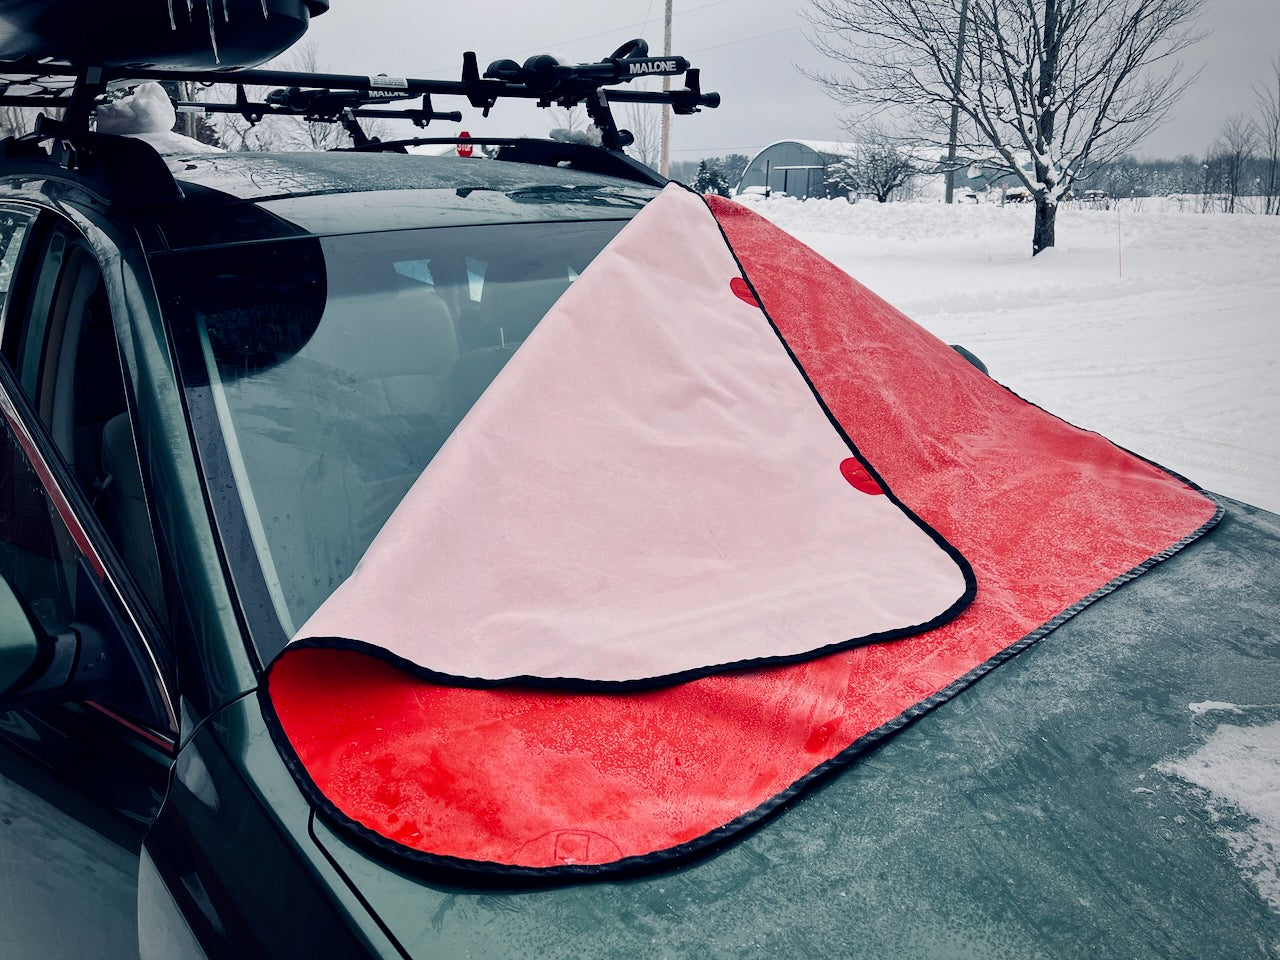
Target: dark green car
144 807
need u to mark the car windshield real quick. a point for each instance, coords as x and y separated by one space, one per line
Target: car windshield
322 374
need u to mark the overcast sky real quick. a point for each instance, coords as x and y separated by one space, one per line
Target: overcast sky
749 51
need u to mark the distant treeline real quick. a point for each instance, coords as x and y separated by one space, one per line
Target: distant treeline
730 167
1131 177
1221 175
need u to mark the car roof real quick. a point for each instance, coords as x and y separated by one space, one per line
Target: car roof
247 197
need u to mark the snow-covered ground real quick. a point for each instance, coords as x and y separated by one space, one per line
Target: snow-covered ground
1238 769
1159 329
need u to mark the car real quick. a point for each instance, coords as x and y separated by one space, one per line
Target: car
176 498
86 550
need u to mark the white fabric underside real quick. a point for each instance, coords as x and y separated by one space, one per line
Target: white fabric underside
648 488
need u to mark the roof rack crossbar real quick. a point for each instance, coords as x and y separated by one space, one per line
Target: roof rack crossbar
332 97
256 111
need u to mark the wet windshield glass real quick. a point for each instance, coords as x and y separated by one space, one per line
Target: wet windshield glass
323 374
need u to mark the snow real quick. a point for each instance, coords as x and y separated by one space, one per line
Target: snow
146 110
148 114
590 137
1238 772
1157 328
176 144
1212 706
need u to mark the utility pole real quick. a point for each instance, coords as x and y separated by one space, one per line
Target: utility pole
666 85
955 104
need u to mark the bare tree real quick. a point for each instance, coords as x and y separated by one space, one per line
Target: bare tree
320 135
1267 103
876 164
1229 160
569 119
733 165
237 133
645 123
1043 88
15 121
285 133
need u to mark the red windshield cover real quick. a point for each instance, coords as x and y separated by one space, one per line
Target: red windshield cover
517 780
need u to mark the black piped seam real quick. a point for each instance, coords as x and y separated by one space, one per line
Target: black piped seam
969 578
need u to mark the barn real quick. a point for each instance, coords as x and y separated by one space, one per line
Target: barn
796 168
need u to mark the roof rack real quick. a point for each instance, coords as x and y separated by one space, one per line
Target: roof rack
345 99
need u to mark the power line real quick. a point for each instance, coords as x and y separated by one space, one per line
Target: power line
730 43
705 149
647 14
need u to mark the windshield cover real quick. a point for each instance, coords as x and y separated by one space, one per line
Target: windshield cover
323 374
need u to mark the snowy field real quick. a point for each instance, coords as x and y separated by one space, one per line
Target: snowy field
1159 329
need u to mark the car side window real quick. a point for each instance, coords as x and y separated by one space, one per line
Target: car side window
13 230
68 365
54 575
37 553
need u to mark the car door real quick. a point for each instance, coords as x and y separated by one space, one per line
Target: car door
80 781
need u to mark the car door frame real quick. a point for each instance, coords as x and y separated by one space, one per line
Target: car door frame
212 651
81 768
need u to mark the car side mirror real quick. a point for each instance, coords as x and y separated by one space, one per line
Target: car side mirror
36 667
19 642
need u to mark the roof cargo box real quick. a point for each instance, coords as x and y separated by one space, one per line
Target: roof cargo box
176 34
